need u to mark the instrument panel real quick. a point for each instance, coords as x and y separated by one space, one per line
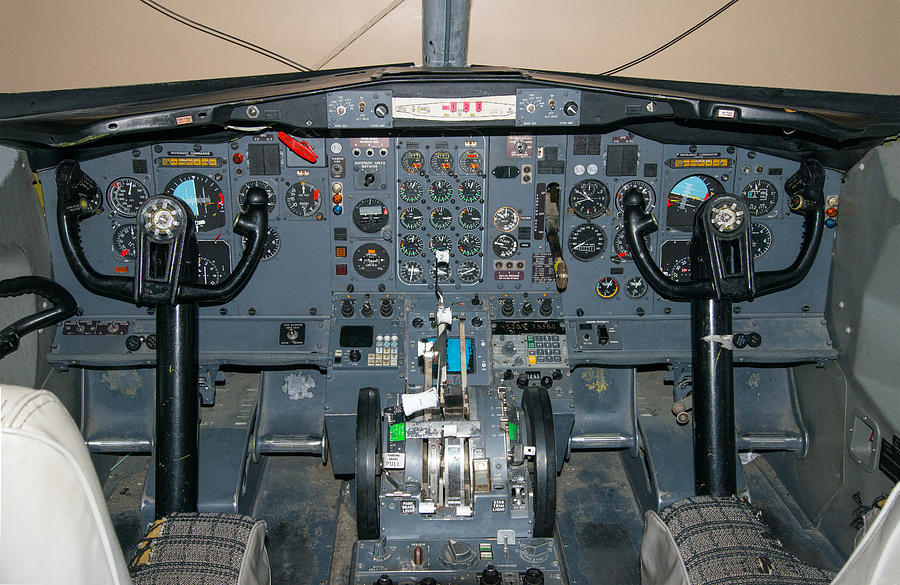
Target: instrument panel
360 218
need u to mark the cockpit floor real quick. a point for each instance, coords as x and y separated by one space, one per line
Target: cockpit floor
311 526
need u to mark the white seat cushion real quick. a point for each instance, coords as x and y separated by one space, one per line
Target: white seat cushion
55 527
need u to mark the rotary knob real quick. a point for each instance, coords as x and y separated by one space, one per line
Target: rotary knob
727 216
507 309
490 576
546 308
367 310
347 308
381 110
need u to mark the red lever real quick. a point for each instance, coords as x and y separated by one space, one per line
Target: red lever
300 148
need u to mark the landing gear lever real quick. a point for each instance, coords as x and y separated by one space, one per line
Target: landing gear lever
164 275
723 272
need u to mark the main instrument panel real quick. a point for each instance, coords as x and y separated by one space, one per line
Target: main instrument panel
358 219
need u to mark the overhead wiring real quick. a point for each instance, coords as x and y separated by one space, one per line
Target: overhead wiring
224 36
662 48
358 33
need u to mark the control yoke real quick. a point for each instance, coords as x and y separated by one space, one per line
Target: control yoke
722 272
720 247
63 307
164 277
165 247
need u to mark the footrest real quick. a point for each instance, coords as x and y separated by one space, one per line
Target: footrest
704 540
202 549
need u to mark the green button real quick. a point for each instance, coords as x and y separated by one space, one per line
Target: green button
513 431
398 432
530 344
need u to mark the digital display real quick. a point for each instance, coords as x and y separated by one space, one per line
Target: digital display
190 161
357 335
370 210
453 360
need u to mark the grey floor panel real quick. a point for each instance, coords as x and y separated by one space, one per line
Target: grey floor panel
786 519
298 499
598 520
123 489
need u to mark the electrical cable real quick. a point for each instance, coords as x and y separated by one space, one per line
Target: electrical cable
358 33
224 36
686 33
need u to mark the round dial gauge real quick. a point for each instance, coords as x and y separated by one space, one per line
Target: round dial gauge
125 196
271 245
303 199
90 197
125 241
587 241
441 161
681 270
760 196
506 219
370 215
441 274
505 246
440 218
412 161
760 239
371 260
440 191
270 193
410 190
686 196
468 272
208 271
411 218
411 245
470 190
203 196
589 198
636 287
214 261
622 251
469 244
440 242
469 218
411 272
645 189
470 162
607 287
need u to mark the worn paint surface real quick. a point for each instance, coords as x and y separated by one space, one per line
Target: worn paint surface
125 382
595 380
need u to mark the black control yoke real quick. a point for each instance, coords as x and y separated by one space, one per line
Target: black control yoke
164 277
722 272
720 246
165 254
63 307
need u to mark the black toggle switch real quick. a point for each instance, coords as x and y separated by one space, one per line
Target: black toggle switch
602 335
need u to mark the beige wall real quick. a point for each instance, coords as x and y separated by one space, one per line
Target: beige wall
839 45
